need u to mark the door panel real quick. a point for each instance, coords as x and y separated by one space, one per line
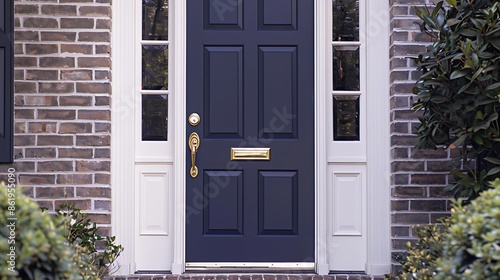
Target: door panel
278 188
224 81
224 206
277 89
250 76
277 14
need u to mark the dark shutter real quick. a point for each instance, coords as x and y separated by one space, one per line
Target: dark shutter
6 81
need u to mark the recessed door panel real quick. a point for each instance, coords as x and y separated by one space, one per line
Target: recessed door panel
278 202
223 213
223 91
278 91
223 14
277 14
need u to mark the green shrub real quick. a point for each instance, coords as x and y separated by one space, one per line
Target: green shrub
84 236
420 260
472 248
459 89
36 244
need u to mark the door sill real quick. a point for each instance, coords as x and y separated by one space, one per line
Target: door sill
250 267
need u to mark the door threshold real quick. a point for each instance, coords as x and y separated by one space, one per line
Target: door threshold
251 267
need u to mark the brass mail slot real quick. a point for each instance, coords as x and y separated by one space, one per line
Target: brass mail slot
250 153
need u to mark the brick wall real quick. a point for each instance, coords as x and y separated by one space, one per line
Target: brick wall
418 177
62 96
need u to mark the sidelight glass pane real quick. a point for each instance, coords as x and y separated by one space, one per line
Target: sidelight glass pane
346 68
154 117
155 67
345 20
155 20
345 118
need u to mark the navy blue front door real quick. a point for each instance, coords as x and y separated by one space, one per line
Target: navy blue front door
250 77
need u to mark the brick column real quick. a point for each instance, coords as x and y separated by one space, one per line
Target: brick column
62 98
418 177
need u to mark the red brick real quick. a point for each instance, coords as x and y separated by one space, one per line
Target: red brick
94 115
412 192
428 179
18 74
26 9
102 101
76 203
55 166
80 49
94 37
80 23
75 153
93 140
74 179
24 140
25 62
26 36
40 152
36 179
41 75
428 205
41 23
56 114
36 49
42 127
58 36
103 24
18 165
101 178
100 218
54 192
93 87
102 153
102 127
54 140
73 128
75 100
59 10
57 62
24 114
40 100
93 192
76 74
95 11
411 218
19 127
103 49
91 166
94 62
102 75
18 100
102 205
25 87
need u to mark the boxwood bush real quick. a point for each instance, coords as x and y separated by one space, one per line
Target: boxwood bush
472 248
31 246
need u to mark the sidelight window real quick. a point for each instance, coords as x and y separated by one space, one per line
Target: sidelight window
346 80
155 70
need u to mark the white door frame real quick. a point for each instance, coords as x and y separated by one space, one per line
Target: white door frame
378 169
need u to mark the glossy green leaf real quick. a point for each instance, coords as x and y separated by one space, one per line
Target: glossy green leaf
458 73
493 160
494 171
452 3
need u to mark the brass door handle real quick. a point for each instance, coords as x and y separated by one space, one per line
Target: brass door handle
194 144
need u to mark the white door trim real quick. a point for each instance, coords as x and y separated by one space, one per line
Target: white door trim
122 156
